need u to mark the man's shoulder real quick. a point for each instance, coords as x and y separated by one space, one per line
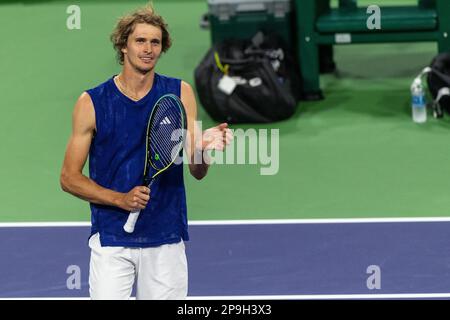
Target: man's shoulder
166 84
100 88
164 77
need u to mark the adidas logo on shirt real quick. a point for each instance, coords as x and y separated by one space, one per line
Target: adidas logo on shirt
165 121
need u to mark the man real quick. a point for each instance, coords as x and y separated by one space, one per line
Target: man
109 125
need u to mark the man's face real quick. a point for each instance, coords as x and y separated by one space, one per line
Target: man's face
143 48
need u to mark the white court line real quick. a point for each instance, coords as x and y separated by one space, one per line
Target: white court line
319 221
44 224
244 222
327 296
286 297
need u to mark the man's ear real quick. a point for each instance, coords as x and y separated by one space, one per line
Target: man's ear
124 50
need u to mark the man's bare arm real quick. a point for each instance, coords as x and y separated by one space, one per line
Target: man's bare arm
216 138
72 179
198 170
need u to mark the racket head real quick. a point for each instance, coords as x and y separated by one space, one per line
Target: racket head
166 133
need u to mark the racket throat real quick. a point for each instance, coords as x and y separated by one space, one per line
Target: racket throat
148 182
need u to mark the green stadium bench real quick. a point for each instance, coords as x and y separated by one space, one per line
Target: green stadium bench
393 19
319 25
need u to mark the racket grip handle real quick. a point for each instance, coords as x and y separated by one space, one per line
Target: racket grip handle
133 216
131 221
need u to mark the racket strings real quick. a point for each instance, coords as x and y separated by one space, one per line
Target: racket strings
167 126
164 139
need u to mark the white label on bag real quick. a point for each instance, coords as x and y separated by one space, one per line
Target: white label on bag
239 80
226 85
254 82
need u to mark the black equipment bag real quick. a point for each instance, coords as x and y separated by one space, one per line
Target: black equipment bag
268 86
438 79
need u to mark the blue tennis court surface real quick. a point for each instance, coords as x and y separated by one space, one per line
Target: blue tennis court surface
286 260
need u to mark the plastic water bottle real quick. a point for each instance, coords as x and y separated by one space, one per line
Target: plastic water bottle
419 106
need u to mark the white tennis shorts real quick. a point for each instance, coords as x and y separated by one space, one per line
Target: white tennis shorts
159 272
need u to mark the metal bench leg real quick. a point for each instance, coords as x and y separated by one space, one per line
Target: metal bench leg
443 11
308 50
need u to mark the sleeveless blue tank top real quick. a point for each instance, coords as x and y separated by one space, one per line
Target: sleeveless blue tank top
116 162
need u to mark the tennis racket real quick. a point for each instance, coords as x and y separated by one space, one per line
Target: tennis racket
166 132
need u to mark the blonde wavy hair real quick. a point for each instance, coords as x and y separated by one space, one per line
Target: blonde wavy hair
125 26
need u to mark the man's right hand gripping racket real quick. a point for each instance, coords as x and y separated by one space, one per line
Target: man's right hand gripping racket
166 132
